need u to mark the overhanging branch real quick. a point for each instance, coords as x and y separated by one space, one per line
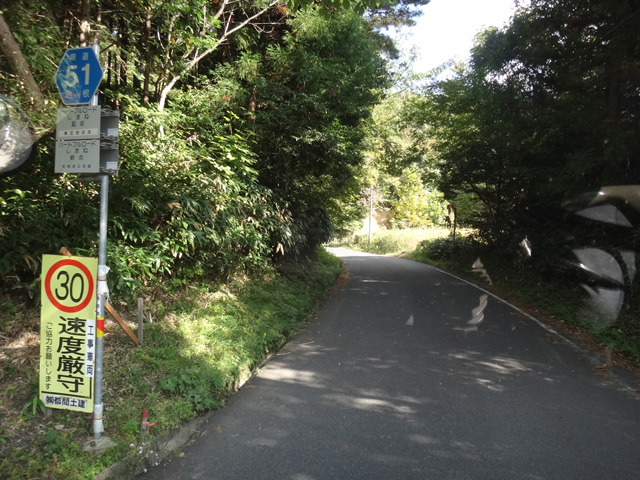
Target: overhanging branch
189 66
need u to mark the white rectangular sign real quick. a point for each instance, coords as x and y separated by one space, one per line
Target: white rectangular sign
77 156
78 123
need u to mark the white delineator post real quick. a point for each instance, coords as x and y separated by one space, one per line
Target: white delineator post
370 211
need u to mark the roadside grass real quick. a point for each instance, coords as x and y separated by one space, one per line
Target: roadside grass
394 241
203 344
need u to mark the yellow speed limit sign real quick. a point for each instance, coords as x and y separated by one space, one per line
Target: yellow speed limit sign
67 332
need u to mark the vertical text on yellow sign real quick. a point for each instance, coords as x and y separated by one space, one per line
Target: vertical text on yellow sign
67 331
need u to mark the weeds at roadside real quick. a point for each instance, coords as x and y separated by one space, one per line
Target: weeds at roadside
33 406
201 346
391 242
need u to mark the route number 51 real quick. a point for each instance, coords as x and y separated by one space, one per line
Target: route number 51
71 77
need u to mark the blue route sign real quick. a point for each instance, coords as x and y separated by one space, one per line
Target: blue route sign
78 76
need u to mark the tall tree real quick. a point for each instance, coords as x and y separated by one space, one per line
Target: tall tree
10 50
546 110
315 89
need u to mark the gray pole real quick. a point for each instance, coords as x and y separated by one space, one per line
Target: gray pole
102 277
102 289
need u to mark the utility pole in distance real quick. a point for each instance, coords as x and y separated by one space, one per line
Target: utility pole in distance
370 211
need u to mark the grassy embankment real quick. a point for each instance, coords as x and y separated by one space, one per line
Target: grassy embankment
203 343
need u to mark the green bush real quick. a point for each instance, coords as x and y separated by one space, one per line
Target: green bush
177 210
444 248
391 241
39 213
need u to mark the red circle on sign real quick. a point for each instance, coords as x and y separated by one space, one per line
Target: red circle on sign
47 285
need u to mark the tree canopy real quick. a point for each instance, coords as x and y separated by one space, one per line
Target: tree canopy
242 127
546 110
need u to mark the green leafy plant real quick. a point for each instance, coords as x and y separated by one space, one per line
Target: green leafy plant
9 370
196 385
444 248
33 406
53 442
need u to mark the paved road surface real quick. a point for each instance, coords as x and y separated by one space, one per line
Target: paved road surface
409 373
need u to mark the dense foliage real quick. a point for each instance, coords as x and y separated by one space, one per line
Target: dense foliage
535 143
241 132
546 111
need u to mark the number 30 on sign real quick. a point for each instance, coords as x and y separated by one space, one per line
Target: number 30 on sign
69 283
68 329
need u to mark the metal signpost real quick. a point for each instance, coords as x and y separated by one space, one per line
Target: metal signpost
87 143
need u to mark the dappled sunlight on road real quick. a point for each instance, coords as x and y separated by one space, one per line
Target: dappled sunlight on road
409 417
383 384
501 365
348 389
289 375
369 404
393 415
479 369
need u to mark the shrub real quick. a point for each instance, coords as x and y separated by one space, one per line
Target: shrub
444 248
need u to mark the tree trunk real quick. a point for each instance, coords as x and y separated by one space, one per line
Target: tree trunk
253 101
10 49
148 57
124 57
85 25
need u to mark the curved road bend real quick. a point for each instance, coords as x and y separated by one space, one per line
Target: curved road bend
409 373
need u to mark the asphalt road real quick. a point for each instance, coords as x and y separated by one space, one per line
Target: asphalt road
409 373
